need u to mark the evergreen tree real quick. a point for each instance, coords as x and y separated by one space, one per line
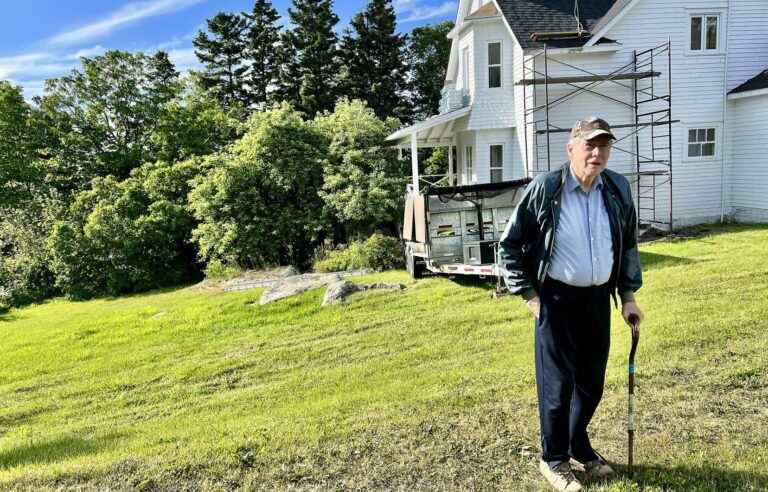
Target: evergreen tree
428 53
374 66
310 69
223 55
263 38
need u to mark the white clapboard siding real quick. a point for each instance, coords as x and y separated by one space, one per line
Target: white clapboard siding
748 168
747 40
492 107
698 97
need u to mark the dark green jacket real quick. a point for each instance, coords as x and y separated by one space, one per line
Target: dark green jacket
525 248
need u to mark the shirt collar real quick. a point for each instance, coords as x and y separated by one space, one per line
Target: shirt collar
572 184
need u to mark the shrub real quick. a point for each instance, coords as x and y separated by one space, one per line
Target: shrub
25 273
128 236
221 270
260 206
379 252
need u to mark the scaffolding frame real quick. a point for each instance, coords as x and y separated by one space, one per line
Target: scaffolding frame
651 107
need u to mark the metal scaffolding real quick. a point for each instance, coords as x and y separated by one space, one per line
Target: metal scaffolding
650 128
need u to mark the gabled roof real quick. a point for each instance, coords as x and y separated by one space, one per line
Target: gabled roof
487 10
760 81
528 16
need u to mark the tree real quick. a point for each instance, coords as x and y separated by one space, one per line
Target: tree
19 141
262 50
374 66
224 57
364 181
308 78
100 120
260 205
428 53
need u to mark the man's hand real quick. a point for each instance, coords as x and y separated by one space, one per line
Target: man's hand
631 308
534 306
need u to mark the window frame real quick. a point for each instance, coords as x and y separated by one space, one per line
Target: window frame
465 57
717 127
500 65
490 162
469 164
719 38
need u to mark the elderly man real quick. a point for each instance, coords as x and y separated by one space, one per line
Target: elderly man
569 247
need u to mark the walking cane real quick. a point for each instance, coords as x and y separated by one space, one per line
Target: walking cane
634 321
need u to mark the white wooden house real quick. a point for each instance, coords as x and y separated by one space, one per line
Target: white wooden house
714 76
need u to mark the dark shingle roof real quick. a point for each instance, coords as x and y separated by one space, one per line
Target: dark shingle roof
760 81
529 16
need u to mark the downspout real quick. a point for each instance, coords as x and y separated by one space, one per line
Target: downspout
726 143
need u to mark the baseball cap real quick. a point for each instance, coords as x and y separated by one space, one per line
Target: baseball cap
591 127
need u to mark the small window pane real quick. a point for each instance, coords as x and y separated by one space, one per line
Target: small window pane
494 77
702 135
496 176
691 136
708 149
710 134
694 150
496 155
711 33
695 33
494 54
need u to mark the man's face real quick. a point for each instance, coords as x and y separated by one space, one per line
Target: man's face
589 157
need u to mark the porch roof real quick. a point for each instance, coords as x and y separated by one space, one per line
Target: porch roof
434 131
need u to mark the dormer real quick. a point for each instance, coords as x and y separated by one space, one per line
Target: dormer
477 60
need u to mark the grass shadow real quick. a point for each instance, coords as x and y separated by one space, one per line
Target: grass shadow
54 450
655 261
693 478
487 283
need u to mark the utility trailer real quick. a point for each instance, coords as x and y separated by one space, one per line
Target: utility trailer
455 230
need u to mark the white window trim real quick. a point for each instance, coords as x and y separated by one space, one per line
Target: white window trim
488 63
470 172
720 33
503 155
466 56
718 141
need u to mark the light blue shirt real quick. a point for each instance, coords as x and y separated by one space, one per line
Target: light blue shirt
583 252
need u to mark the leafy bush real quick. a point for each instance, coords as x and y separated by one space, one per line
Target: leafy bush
25 273
260 206
128 236
364 181
221 270
379 252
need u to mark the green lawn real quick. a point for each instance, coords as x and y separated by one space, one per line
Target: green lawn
429 388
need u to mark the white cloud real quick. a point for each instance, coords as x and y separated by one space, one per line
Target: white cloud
127 14
88 52
31 88
31 65
416 10
184 59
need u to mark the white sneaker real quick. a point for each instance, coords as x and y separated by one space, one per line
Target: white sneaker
561 477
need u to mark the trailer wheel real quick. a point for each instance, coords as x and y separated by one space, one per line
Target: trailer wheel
415 268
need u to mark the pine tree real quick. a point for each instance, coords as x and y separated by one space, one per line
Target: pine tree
428 52
263 38
311 64
374 61
223 55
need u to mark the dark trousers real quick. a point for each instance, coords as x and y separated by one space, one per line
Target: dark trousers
572 342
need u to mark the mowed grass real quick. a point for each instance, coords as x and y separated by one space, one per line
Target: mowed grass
428 388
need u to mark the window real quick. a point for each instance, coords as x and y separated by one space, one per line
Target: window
497 163
704 33
465 68
701 142
468 167
494 65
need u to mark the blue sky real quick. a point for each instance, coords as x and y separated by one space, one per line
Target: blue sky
42 39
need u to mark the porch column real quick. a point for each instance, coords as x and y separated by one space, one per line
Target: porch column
415 162
451 180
